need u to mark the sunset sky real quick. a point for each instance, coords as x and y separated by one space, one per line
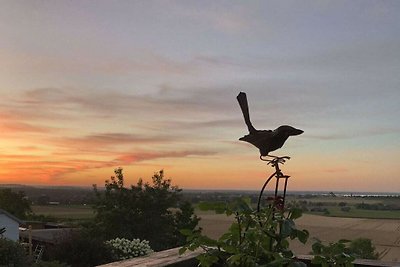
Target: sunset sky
88 86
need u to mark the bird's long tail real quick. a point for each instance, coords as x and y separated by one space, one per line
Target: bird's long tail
242 99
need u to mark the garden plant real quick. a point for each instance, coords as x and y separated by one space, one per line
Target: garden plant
256 238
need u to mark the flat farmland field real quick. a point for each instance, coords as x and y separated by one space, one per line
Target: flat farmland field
384 233
360 213
75 212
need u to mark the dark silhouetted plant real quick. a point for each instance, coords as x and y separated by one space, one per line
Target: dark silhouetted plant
153 212
12 254
254 239
15 203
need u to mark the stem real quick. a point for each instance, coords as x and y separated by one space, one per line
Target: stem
240 228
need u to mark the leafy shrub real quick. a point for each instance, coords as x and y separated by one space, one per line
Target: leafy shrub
144 211
255 239
362 248
15 203
12 254
333 254
80 249
123 248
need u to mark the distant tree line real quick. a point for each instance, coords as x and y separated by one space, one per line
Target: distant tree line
377 206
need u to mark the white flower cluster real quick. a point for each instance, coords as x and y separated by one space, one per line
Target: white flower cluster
123 248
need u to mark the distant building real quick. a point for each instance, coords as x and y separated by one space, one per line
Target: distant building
11 223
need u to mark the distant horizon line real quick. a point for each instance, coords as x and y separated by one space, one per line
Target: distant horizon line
210 189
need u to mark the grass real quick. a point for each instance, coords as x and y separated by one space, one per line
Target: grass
74 212
361 213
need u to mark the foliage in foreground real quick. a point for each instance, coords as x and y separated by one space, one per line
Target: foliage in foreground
12 254
333 254
362 248
343 252
80 249
50 264
254 239
143 211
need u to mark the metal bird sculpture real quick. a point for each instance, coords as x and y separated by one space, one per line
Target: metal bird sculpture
265 140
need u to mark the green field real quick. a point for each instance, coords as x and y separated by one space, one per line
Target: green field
72 212
360 213
82 212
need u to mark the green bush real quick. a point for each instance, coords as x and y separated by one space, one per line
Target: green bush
151 211
362 248
12 254
343 252
332 254
81 249
256 238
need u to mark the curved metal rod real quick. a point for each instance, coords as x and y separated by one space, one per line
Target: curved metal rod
284 190
262 190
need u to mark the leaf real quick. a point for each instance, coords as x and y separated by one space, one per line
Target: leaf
225 236
235 259
302 235
229 249
206 241
207 260
295 213
241 205
287 228
186 232
182 250
318 260
317 247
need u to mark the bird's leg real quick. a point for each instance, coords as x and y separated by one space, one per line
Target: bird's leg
263 159
275 160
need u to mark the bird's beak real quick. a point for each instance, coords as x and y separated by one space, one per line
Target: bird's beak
295 131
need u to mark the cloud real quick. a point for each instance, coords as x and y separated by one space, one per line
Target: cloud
13 124
353 133
41 169
232 19
12 127
106 141
335 170
142 61
69 103
130 158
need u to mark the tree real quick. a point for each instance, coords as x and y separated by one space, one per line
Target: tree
362 248
12 254
15 203
153 212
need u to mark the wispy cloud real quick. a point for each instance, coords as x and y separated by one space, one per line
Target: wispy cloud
235 19
40 169
353 133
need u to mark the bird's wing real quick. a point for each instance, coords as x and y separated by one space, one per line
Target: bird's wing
242 99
